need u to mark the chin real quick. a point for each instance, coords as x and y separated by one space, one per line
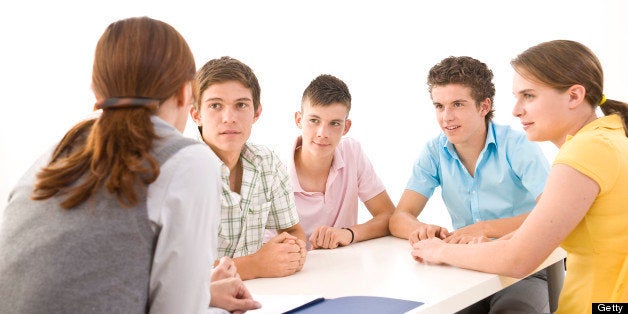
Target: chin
532 137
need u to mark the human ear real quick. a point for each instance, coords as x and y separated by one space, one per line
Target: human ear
576 94
257 113
196 115
298 117
485 106
347 126
185 97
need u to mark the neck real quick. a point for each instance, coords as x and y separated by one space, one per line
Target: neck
576 127
470 150
306 163
173 114
230 158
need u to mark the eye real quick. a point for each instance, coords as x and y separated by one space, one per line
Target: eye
215 106
313 121
527 96
438 106
242 105
336 123
458 104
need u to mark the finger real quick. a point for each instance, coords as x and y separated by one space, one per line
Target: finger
422 234
243 292
302 245
288 236
320 238
312 239
244 305
415 255
333 242
431 232
280 237
295 248
453 239
414 237
329 238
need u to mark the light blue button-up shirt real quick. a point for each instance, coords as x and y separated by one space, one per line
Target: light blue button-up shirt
509 175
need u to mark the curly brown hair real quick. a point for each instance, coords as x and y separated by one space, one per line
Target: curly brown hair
466 71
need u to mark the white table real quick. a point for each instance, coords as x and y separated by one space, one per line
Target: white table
384 267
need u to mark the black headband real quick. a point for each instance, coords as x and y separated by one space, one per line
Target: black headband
113 103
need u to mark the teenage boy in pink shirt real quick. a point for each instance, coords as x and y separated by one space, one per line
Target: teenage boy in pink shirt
329 173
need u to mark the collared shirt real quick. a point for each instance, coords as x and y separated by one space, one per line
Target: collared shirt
351 177
510 174
183 206
265 201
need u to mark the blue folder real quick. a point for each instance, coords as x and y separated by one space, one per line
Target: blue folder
356 304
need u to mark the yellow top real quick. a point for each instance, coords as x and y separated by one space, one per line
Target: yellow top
597 249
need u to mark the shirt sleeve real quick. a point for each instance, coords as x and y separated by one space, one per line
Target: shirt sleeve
184 207
593 155
283 211
369 184
529 164
425 173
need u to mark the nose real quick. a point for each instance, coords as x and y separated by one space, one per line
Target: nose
517 109
228 115
321 131
447 114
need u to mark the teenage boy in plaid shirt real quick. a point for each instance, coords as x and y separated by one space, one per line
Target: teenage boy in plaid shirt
256 190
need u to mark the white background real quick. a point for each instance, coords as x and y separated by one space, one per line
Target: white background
381 49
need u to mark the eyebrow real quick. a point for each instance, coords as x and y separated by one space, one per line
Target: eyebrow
454 101
317 117
523 91
220 99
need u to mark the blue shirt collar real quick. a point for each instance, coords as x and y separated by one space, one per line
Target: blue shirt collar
449 148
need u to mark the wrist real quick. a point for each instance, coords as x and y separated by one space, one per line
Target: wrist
352 234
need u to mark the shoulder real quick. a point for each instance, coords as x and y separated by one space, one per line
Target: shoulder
508 138
349 145
255 150
260 155
593 141
434 145
507 133
196 155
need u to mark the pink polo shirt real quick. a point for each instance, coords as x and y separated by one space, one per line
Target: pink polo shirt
351 177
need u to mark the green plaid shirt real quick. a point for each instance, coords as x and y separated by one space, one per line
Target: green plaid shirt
266 201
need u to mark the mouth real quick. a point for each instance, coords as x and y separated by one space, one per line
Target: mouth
526 124
320 144
451 127
229 132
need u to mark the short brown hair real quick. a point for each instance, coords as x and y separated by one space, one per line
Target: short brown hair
327 89
222 70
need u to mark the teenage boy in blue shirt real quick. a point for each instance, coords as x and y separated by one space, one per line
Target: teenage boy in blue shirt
490 176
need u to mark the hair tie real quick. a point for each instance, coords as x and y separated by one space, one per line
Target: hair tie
126 102
603 100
